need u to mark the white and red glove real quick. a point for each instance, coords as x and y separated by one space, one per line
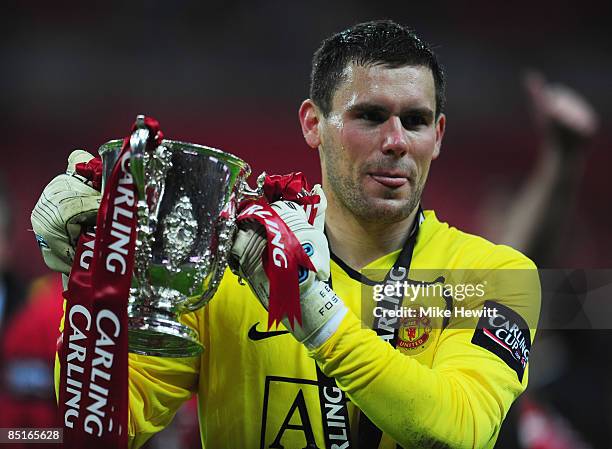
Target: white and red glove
322 309
66 204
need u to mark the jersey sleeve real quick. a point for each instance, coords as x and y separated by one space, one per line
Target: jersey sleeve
157 387
460 400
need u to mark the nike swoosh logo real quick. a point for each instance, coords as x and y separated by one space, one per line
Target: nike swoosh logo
256 335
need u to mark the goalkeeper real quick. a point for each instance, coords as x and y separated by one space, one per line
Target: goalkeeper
376 117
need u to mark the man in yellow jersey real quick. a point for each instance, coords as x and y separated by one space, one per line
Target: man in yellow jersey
375 114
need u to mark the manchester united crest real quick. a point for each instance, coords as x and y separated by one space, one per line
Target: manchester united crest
414 332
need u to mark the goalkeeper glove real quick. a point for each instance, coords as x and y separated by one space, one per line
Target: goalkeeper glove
66 204
322 309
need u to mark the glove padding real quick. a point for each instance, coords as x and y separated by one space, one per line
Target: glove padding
318 302
66 204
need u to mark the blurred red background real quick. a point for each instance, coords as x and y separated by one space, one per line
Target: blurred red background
233 77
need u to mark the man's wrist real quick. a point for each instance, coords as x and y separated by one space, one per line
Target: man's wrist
319 337
320 305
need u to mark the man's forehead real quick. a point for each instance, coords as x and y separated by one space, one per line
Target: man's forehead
378 82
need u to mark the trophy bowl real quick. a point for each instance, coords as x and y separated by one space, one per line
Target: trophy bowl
188 196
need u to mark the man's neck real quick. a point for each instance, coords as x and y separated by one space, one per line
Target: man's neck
358 243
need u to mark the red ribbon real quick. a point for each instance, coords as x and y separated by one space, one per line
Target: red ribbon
292 187
284 253
93 354
92 170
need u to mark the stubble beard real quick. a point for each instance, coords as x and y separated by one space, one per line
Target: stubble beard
349 193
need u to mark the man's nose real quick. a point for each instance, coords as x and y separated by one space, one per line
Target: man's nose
395 141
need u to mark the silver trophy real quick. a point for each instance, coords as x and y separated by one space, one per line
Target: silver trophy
187 200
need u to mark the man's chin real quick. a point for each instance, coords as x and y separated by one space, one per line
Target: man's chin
382 210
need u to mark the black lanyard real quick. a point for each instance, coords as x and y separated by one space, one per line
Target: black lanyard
369 434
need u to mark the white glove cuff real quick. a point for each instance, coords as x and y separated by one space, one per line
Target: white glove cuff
327 330
319 305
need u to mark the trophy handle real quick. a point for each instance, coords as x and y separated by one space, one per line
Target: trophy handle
226 239
249 193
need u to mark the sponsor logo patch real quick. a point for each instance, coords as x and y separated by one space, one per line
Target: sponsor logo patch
506 334
291 415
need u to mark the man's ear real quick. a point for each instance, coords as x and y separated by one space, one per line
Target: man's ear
440 128
309 119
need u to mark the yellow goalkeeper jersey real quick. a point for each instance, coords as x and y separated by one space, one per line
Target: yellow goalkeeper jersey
459 360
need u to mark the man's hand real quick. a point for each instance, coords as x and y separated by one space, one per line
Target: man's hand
561 114
535 219
66 204
322 310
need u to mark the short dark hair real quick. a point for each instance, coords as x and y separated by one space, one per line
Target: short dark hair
379 42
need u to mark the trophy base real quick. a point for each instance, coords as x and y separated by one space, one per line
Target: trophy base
161 337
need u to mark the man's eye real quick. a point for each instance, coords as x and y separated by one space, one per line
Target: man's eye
413 121
375 117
